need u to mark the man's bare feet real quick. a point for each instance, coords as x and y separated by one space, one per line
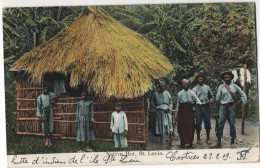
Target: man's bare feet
209 142
161 139
46 142
232 146
198 142
50 143
216 145
171 144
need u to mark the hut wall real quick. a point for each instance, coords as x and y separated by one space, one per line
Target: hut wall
64 115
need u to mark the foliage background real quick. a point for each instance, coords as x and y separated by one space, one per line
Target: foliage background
208 38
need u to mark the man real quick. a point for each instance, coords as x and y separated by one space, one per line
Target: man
206 97
162 103
185 114
226 107
45 112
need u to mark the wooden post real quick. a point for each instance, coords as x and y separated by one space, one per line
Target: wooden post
243 105
18 87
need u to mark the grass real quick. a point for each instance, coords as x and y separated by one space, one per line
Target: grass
34 145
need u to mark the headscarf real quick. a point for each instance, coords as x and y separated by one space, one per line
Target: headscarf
162 82
185 81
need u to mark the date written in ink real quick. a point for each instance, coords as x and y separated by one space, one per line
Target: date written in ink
217 156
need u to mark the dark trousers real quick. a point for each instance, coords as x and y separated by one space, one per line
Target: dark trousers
226 112
203 113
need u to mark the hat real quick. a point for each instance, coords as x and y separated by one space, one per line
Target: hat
226 73
199 75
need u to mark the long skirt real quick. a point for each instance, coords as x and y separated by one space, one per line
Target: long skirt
163 122
84 133
186 125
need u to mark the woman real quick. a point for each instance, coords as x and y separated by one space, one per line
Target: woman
185 114
162 103
84 119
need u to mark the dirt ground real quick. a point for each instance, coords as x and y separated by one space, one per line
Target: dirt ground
249 139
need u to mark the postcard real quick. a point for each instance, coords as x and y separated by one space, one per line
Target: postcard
130 84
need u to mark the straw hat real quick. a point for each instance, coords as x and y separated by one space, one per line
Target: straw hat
227 73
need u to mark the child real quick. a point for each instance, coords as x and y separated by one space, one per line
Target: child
119 126
45 113
84 119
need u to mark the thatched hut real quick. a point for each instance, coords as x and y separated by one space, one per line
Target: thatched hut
98 54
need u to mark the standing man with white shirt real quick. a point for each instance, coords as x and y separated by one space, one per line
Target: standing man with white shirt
226 107
206 97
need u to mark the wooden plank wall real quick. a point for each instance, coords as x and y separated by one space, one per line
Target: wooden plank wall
64 115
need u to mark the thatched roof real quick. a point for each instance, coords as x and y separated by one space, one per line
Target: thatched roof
98 51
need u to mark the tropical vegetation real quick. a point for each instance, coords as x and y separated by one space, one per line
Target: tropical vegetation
208 38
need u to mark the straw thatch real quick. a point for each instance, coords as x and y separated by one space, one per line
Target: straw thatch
100 52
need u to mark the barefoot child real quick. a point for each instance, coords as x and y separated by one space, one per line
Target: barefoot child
45 113
119 126
84 119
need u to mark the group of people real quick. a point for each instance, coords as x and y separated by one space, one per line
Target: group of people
201 96
84 119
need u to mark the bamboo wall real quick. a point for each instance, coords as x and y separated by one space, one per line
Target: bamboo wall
64 115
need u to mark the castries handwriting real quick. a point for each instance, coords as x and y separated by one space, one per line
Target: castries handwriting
175 155
130 157
242 154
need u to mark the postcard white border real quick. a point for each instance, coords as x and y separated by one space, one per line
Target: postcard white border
168 157
22 3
